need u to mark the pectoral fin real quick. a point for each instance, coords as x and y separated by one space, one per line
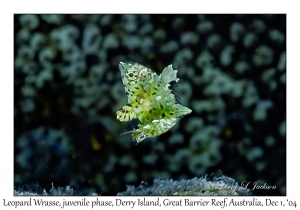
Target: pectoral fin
125 114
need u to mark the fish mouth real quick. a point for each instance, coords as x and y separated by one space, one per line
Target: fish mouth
123 66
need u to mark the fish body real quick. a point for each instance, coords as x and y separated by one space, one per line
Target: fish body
150 100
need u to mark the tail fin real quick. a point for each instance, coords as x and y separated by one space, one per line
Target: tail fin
182 110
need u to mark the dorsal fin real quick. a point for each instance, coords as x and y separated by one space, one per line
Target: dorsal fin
169 74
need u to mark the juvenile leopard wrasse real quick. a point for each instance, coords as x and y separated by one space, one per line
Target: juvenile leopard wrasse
150 100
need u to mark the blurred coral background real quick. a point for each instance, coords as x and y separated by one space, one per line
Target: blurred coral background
67 89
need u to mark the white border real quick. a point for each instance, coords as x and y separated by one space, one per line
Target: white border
8 8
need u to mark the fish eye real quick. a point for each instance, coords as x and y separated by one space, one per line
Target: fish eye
131 75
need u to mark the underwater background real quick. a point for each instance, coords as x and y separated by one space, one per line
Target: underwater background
67 89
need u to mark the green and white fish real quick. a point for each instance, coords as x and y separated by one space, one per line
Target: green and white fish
150 100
